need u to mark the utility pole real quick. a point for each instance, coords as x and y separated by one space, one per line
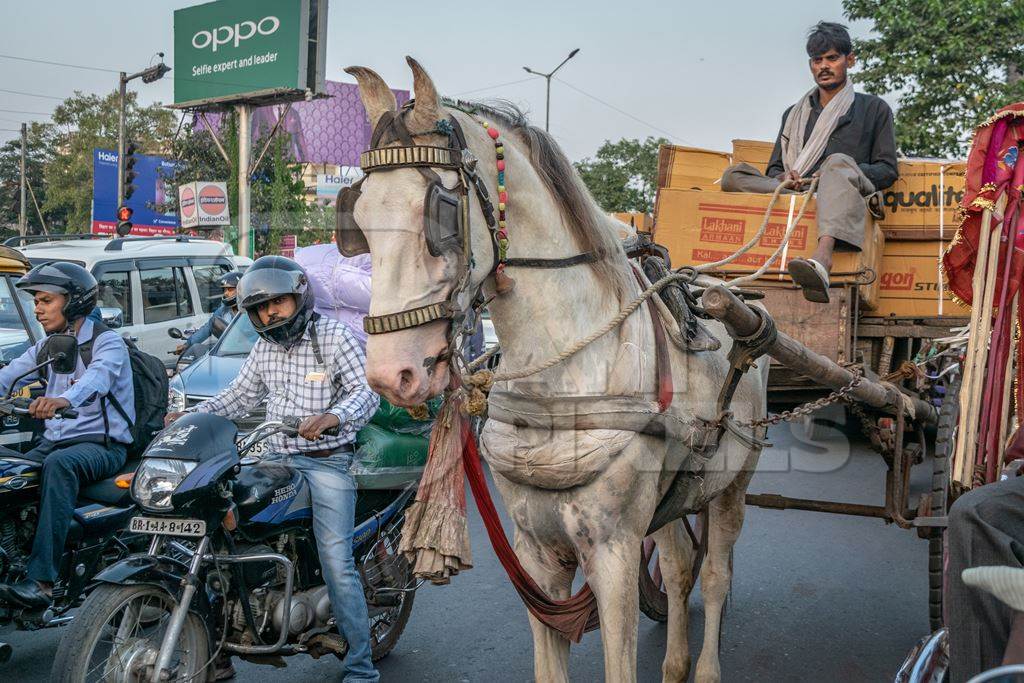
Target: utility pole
244 152
23 219
547 76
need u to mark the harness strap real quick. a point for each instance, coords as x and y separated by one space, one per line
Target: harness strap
568 261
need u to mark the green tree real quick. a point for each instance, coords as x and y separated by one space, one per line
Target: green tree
37 154
623 175
951 63
277 205
82 123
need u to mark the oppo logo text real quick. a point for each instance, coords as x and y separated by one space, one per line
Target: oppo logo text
233 35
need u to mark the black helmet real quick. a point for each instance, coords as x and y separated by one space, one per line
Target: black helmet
231 280
60 277
268 278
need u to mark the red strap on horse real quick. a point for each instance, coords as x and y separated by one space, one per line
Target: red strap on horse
570 618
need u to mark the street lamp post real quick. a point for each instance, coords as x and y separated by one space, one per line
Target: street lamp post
148 75
547 77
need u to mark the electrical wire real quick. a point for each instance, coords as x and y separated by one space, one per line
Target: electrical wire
33 113
65 64
32 94
622 111
492 87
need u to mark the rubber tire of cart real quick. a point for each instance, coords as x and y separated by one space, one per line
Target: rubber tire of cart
945 444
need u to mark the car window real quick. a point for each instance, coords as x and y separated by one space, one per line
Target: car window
238 339
14 339
209 288
164 294
115 292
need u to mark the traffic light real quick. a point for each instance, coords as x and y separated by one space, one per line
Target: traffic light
129 172
124 221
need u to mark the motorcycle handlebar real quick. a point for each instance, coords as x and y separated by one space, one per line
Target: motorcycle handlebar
19 406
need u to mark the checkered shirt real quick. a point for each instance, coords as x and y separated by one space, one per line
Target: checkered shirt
295 385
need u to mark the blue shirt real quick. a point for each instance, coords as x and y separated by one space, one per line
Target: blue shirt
110 372
206 330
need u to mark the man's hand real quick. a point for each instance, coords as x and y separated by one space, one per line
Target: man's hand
312 427
791 177
180 348
171 417
45 408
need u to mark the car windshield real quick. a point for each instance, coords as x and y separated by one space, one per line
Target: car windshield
238 339
14 337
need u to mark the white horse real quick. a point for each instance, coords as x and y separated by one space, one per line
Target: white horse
579 499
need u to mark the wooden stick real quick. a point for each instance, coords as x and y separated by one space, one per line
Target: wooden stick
969 409
1004 421
986 330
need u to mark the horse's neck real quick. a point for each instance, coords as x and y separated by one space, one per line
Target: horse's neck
551 308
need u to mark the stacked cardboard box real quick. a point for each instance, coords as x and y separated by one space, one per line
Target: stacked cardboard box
702 227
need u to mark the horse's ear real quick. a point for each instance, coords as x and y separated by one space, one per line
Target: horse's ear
427 109
375 93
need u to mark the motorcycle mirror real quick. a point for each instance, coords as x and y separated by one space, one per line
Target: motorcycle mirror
62 349
175 333
218 325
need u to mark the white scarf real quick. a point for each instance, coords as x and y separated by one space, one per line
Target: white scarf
801 156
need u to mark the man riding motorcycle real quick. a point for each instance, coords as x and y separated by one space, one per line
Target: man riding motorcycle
74 451
227 310
307 365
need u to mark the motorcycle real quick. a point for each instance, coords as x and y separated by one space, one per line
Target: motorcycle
196 351
95 538
232 566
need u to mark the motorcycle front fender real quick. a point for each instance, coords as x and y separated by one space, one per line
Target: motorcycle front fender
161 571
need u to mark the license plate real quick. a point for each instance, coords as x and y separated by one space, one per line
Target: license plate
169 527
258 449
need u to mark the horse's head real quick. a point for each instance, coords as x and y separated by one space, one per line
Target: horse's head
408 213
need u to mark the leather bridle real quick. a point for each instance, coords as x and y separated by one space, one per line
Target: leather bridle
384 156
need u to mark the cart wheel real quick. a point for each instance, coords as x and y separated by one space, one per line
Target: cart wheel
945 443
653 599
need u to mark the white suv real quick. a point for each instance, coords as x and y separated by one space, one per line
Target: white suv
147 284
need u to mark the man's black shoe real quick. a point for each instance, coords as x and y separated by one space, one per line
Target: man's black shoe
26 593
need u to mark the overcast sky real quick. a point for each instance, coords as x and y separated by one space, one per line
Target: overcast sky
698 73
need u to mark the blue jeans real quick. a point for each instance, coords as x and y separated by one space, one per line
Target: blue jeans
333 490
65 470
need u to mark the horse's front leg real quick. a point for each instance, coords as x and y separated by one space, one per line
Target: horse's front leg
612 570
554 575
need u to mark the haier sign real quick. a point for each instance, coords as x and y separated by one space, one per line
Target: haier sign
151 188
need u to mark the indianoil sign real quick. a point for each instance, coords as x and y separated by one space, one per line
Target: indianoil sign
236 50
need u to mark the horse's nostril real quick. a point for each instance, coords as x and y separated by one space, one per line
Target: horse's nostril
405 378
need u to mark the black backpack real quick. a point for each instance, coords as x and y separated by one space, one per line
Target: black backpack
149 380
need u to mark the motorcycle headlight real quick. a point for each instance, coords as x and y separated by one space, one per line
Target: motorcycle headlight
156 479
175 400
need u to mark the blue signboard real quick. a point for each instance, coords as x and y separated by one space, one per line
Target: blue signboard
152 187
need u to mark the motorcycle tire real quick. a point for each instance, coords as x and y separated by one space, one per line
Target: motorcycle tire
73 661
382 646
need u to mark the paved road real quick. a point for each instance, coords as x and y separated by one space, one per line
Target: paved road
815 598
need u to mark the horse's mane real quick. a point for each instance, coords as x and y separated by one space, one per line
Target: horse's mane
590 227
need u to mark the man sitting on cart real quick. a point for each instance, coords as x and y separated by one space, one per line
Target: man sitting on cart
844 138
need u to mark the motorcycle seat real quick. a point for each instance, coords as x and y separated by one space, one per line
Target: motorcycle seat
106 491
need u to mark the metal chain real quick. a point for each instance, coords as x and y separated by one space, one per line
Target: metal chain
807 408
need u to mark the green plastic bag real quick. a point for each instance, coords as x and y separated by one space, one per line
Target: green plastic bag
395 419
378 448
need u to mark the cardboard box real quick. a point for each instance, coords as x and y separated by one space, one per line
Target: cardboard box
757 153
911 284
702 227
691 168
912 204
